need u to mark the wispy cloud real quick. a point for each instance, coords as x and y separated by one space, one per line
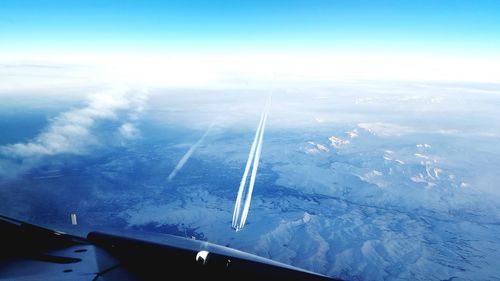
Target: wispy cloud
75 131
128 131
386 129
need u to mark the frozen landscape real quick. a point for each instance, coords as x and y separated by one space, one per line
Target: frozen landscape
360 180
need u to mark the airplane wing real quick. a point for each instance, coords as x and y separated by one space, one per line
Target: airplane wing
30 252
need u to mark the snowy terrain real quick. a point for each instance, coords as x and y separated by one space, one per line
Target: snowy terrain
362 181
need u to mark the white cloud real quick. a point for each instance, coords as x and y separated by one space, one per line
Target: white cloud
129 131
216 70
74 131
386 129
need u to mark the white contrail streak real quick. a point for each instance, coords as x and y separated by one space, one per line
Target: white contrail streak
237 208
188 154
253 161
248 199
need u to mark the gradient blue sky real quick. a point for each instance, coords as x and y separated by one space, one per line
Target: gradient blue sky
461 28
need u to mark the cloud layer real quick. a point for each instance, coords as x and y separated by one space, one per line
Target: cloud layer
76 131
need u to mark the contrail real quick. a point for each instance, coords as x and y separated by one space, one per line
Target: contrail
248 199
237 208
253 160
188 154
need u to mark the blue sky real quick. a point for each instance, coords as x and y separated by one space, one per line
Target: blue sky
462 28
